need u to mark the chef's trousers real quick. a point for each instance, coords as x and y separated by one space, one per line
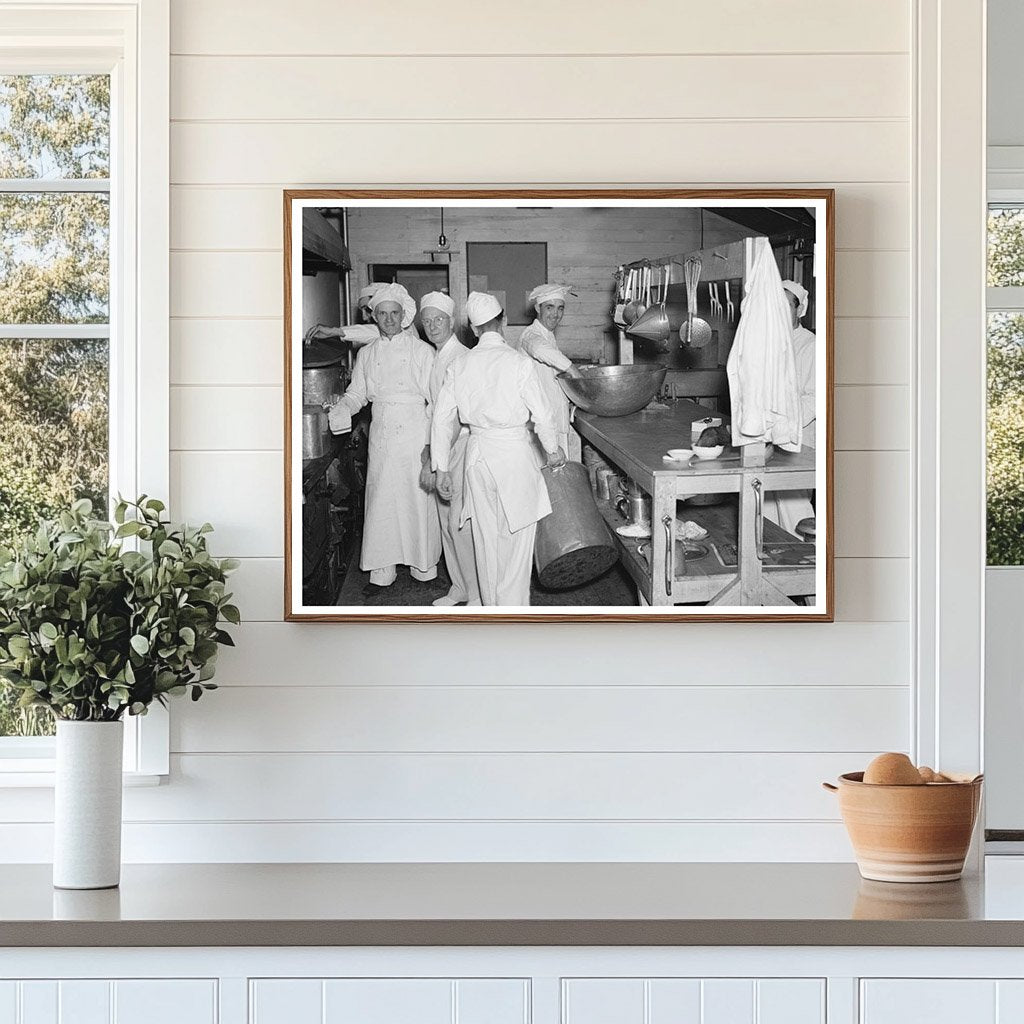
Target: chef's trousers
504 560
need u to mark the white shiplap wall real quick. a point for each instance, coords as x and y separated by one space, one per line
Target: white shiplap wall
527 742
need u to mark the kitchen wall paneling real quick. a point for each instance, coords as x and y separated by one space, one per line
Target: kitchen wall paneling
501 786
686 151
869 215
730 94
240 492
608 718
872 496
266 655
221 842
213 418
407 27
245 283
872 350
867 589
224 351
228 487
539 87
872 418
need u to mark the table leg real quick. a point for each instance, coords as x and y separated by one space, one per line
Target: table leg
663 521
749 562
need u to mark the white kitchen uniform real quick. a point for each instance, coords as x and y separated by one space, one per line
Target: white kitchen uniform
804 344
456 537
496 391
540 345
787 508
401 526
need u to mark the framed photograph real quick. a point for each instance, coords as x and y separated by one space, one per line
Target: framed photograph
558 405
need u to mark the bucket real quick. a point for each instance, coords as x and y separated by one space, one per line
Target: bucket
573 544
909 833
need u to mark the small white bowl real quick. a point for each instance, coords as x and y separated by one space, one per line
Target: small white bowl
677 455
712 452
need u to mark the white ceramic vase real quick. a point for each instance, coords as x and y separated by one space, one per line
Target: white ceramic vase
87 805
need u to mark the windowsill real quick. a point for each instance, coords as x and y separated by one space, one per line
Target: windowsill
39 773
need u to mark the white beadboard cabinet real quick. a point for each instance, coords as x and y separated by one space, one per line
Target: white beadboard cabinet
693 1001
107 1001
513 985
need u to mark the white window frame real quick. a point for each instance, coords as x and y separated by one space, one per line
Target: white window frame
949 443
130 41
1005 806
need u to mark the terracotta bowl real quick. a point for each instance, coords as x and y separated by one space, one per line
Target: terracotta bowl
909 833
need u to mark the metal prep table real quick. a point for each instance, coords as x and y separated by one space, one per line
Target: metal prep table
635 445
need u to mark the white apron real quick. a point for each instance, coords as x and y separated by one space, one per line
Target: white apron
515 466
400 526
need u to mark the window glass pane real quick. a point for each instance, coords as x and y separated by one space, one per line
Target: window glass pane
1005 246
53 449
1005 439
54 126
54 262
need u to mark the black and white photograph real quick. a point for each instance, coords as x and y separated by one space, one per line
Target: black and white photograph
559 405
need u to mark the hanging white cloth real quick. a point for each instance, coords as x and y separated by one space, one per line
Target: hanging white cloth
763 385
400 525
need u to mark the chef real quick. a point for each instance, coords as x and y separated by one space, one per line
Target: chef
436 316
393 373
803 352
496 392
793 509
358 334
538 342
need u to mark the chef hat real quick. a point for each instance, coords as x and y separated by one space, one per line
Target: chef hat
481 308
438 300
548 293
395 293
369 291
800 292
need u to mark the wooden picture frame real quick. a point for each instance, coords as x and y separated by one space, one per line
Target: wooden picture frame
761 566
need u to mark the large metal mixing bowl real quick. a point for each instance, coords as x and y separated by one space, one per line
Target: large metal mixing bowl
614 390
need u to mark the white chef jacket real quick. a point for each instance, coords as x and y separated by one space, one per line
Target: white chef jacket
804 344
540 345
496 391
400 526
361 334
450 354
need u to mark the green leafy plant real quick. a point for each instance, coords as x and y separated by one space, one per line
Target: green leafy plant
91 630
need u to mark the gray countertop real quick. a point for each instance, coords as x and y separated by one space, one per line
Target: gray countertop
491 904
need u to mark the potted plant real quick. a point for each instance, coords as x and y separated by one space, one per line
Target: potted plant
93 627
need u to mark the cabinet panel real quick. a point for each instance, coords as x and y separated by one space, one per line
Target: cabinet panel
693 1001
928 1001
8 1002
1010 1002
388 1001
674 1000
165 1002
84 1002
603 1001
790 1001
38 1002
280 1001
728 1001
492 1001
